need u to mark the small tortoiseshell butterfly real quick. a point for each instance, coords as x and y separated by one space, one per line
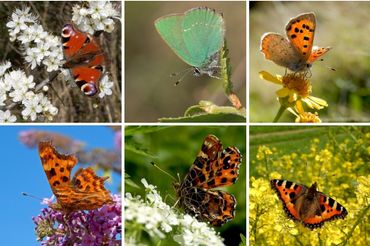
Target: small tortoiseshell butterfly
84 57
307 205
213 167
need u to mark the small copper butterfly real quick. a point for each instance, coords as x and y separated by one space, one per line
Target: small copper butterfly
296 53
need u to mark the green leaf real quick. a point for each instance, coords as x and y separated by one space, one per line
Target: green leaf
207 111
129 182
136 150
132 130
243 240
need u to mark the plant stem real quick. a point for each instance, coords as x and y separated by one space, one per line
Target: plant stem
279 113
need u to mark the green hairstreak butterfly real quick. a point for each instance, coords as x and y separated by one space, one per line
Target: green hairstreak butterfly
196 36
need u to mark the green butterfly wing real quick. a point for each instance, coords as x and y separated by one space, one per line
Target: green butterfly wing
170 29
194 36
203 32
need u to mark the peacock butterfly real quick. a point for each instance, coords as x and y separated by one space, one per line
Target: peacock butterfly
307 205
84 57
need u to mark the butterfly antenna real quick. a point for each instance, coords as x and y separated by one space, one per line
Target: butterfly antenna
155 165
183 74
330 68
35 197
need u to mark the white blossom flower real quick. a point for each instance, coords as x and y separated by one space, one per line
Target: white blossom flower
98 16
19 94
32 107
105 86
24 13
12 77
97 10
2 97
27 36
32 57
7 117
17 23
39 45
43 49
53 110
5 85
46 105
51 64
39 33
4 66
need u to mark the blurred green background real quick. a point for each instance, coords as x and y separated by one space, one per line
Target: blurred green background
149 90
293 139
174 149
344 26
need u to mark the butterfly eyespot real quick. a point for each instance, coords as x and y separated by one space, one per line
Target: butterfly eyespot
85 58
67 30
89 89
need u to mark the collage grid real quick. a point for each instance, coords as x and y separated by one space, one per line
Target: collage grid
170 111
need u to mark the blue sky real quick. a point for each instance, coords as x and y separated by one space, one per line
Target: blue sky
21 171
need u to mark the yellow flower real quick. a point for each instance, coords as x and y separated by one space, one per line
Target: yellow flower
302 116
296 87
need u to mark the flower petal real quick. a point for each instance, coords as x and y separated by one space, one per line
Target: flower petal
319 101
269 77
283 92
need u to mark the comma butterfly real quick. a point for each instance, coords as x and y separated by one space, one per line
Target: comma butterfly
307 205
297 52
84 57
213 167
84 192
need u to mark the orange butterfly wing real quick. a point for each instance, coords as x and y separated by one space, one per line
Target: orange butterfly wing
85 191
316 53
213 167
330 210
301 31
307 205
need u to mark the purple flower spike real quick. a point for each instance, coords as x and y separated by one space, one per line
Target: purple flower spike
102 226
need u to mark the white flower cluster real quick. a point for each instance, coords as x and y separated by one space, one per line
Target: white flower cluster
194 232
98 16
158 219
17 86
40 46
